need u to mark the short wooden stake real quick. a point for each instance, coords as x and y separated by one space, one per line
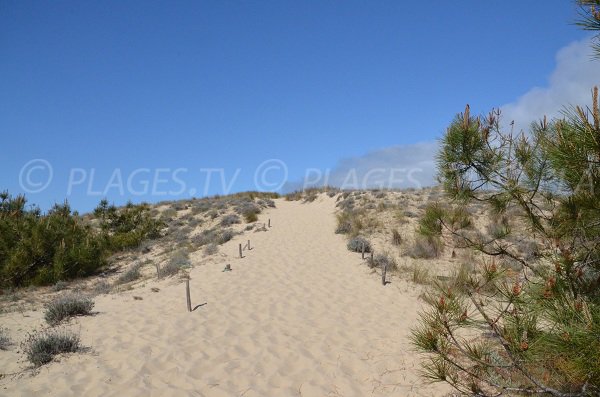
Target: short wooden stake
249 245
269 222
158 271
241 256
363 250
383 272
187 294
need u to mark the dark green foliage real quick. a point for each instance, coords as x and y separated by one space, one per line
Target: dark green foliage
67 306
536 291
590 20
430 224
43 249
40 348
128 226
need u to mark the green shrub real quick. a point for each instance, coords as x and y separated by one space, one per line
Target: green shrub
40 348
44 249
67 306
430 224
250 217
532 328
128 226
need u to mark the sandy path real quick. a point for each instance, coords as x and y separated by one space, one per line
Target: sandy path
298 316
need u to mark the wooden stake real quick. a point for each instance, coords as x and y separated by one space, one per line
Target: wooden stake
241 256
363 250
187 294
383 273
158 271
269 222
249 245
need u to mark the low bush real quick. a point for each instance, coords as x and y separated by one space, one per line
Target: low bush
356 244
67 306
250 217
420 275
40 348
179 259
131 274
211 249
5 341
128 226
344 226
102 288
381 260
59 286
426 247
44 249
225 235
229 220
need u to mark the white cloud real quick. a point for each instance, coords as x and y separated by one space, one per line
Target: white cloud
413 165
399 166
570 84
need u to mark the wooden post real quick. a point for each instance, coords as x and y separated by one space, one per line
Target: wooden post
241 256
269 222
363 250
158 271
187 294
249 245
383 272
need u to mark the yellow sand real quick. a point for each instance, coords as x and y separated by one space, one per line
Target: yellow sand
300 315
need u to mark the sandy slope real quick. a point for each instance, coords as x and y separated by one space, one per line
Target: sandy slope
298 316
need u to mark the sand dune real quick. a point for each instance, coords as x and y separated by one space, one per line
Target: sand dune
298 316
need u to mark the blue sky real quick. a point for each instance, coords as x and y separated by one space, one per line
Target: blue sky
217 84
